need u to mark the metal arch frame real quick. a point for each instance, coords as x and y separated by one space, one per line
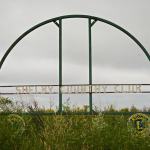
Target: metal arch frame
73 16
91 21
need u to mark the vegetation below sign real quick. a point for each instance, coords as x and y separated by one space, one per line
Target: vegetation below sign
65 132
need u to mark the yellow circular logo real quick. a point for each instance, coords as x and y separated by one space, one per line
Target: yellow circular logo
140 123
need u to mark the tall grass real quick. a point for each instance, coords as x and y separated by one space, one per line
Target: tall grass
69 132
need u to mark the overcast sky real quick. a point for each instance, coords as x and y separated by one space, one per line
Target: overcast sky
116 58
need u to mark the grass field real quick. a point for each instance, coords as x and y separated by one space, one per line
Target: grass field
69 132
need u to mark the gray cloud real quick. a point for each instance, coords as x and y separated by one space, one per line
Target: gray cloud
116 58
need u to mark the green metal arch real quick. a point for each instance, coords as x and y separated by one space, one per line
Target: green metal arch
72 16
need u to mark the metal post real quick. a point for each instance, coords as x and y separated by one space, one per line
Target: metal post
90 64
60 65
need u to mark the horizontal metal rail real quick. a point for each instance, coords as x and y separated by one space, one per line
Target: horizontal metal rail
73 113
111 84
144 92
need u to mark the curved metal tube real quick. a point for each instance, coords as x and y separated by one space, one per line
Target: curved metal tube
72 16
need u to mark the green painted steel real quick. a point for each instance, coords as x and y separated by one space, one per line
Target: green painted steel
60 65
59 25
75 113
73 16
90 63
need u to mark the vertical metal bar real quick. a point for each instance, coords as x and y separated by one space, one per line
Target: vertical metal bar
60 65
90 64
